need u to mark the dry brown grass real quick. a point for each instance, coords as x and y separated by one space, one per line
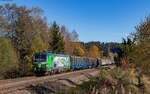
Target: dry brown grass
114 81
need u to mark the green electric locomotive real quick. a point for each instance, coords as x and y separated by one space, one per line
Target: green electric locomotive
46 62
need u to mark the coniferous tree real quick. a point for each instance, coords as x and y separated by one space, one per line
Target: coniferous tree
125 53
106 53
56 41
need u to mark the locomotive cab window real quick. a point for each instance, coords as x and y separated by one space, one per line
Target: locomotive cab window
40 57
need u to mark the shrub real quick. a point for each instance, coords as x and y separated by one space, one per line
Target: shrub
113 81
8 59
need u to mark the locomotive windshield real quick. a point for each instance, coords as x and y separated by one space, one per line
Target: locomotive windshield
40 57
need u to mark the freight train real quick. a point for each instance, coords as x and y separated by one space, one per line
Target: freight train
47 62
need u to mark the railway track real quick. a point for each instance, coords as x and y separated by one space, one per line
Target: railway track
12 86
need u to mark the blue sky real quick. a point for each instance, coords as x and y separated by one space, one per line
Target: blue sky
93 20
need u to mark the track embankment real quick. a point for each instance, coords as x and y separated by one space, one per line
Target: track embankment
46 84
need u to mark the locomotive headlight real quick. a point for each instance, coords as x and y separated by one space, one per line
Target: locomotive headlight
39 65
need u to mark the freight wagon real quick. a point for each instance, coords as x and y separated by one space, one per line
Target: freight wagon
105 62
47 62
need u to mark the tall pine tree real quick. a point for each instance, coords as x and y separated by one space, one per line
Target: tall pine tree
56 41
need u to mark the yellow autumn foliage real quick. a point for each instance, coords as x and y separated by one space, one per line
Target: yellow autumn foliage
37 46
94 52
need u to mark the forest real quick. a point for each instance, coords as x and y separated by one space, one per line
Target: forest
24 31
